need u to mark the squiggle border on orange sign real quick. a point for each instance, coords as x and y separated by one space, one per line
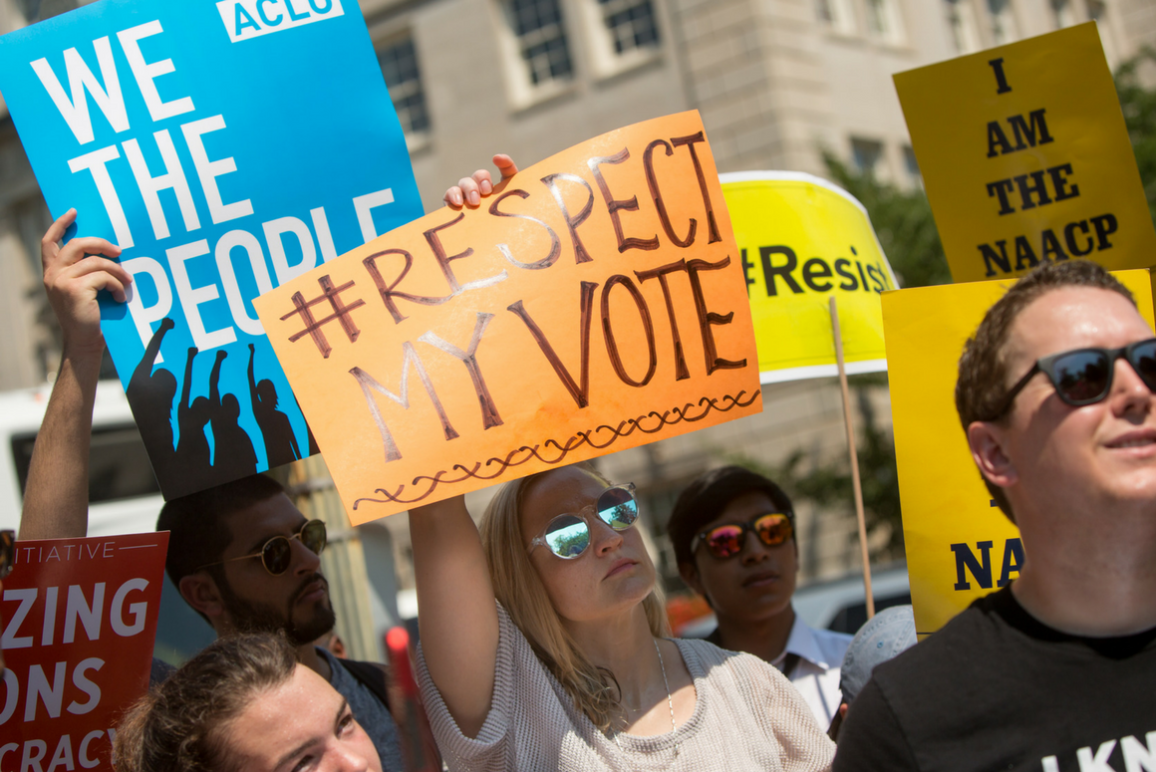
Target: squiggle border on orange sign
624 429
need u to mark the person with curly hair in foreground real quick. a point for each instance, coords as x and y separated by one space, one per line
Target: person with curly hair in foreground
244 703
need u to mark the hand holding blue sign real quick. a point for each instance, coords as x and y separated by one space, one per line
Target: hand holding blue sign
126 113
79 263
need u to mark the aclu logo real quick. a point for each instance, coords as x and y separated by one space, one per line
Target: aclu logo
248 19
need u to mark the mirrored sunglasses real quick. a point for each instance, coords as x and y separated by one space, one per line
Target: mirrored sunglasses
7 552
277 553
568 535
1084 376
726 541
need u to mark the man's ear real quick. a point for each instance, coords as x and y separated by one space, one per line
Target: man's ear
987 441
200 591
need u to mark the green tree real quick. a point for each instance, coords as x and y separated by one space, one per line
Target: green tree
1139 106
903 223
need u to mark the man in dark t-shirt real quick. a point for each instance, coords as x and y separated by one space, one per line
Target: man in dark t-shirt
1055 672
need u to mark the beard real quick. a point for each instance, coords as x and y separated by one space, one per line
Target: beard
250 617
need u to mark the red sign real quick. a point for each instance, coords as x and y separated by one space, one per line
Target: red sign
79 619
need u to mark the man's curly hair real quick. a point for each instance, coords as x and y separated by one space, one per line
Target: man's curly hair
181 724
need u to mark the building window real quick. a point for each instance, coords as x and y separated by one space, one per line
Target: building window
838 15
876 19
29 9
620 34
398 60
541 36
911 166
865 154
39 10
631 24
883 21
1003 22
1098 12
964 30
1065 16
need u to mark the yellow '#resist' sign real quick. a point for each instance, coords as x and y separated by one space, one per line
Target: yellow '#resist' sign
959 544
1025 157
802 240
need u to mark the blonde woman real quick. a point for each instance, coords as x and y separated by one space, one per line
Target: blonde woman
570 668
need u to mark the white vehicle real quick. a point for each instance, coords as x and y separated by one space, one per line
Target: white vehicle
123 494
840 604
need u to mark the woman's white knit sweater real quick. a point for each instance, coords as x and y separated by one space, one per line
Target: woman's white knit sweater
747 716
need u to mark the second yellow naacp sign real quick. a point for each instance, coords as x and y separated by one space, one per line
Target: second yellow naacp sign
959 544
1025 157
595 304
801 241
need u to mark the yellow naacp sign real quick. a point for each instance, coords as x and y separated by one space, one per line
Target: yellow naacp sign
802 239
1025 157
959 544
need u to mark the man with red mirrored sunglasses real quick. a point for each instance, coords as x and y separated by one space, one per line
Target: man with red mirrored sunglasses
1055 671
733 536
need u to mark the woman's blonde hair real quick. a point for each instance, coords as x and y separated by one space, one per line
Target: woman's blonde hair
519 589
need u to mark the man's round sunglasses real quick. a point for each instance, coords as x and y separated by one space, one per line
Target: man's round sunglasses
277 553
568 535
726 541
1084 376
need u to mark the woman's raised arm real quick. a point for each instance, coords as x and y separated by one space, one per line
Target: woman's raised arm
457 614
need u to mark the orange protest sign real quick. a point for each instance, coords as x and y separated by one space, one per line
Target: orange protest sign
593 305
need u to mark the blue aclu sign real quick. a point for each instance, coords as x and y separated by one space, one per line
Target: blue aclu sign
226 148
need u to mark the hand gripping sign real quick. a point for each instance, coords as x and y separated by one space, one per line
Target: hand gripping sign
79 619
802 240
960 546
595 304
226 148
1025 157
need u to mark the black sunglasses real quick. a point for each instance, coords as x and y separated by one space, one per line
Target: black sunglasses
726 541
277 553
7 552
1084 376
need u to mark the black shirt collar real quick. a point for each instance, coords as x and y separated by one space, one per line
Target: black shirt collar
1004 604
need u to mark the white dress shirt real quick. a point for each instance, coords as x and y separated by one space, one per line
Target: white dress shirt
817 674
